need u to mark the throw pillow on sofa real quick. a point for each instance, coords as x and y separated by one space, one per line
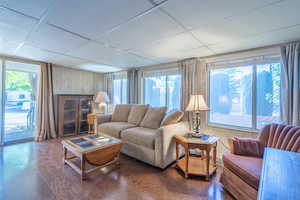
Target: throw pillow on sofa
172 117
121 113
137 114
153 117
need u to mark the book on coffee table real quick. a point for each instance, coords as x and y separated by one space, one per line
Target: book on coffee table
92 141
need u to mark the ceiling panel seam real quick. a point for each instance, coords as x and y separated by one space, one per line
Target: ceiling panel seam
184 27
35 27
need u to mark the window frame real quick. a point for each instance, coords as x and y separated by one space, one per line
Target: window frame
163 72
253 63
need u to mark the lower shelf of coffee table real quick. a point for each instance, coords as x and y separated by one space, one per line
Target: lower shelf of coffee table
196 166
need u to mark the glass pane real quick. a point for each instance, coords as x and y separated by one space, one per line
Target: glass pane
124 91
231 96
69 128
174 90
69 110
116 92
268 94
155 91
21 83
84 126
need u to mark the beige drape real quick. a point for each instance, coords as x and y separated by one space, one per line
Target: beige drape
132 88
290 83
190 82
46 122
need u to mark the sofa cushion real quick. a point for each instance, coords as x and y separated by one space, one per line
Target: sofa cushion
140 136
137 114
121 113
114 128
172 118
246 167
153 117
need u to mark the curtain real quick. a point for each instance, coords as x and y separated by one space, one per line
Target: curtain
109 85
189 83
46 121
290 83
132 77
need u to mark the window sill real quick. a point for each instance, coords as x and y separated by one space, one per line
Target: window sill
235 128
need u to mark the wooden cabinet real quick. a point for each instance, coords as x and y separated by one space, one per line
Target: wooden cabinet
72 111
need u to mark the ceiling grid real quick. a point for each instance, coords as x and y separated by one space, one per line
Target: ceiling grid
113 34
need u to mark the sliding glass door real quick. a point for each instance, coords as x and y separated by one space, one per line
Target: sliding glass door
19 100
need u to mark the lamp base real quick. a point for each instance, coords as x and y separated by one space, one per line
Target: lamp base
198 135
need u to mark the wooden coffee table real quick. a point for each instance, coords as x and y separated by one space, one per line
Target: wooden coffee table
98 151
196 165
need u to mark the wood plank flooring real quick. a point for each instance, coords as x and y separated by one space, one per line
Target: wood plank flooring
36 171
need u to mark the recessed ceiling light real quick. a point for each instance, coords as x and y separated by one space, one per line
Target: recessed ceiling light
98 67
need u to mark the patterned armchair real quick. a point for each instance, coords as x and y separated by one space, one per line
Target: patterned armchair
242 165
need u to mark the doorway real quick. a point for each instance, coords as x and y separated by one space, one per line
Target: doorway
19 101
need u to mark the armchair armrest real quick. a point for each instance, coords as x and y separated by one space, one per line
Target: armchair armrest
246 146
165 144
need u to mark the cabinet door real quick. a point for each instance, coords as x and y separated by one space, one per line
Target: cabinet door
85 107
70 115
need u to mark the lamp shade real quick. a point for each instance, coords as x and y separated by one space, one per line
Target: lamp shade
102 97
196 103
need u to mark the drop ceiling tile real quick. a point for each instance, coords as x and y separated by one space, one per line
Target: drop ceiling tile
8 47
34 8
277 16
96 52
157 1
131 60
53 39
194 12
165 52
95 17
220 32
67 61
143 31
15 27
199 52
30 52
265 39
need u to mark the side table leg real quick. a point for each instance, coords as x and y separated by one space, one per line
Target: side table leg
177 153
215 156
82 167
207 164
187 156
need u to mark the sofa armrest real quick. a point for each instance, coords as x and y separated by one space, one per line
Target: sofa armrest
246 146
103 118
100 119
165 144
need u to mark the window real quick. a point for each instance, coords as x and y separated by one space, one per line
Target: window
119 91
162 89
246 96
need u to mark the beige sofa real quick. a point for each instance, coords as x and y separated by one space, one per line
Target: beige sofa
147 133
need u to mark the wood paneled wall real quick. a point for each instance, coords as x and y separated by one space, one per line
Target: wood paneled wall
73 81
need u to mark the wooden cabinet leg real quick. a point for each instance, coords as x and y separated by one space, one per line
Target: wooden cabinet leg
65 155
207 163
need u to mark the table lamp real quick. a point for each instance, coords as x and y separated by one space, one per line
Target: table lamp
197 104
102 99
